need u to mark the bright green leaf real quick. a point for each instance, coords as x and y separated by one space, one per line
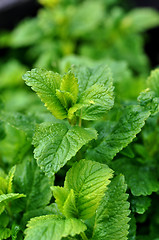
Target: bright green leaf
85 183
111 222
123 133
55 144
53 227
96 93
45 83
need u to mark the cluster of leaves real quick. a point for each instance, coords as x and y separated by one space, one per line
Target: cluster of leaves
82 163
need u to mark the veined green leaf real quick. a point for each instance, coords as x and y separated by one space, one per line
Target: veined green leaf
96 93
111 222
55 144
53 227
45 83
68 91
123 133
84 187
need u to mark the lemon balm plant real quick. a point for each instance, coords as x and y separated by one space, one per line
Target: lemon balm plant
87 147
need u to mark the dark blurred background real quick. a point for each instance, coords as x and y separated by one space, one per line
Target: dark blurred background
12 11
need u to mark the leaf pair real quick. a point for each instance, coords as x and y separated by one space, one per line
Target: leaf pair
85 194
83 92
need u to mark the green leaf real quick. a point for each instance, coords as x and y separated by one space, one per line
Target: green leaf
96 93
10 179
19 121
55 144
4 233
123 133
53 227
84 187
141 19
140 204
149 98
153 81
5 198
84 21
141 179
111 222
45 83
31 181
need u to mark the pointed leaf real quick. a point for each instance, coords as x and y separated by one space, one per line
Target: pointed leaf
88 180
96 93
45 83
53 227
111 222
123 133
55 144
69 84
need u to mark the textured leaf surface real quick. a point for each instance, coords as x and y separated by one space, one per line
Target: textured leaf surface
96 92
53 227
111 222
84 187
55 144
31 181
141 179
123 133
45 83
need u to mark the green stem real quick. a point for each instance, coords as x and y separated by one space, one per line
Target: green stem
83 236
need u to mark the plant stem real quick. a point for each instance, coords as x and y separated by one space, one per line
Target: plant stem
83 236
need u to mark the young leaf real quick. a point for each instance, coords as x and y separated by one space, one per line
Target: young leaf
53 227
55 144
85 183
124 131
96 93
45 83
111 221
